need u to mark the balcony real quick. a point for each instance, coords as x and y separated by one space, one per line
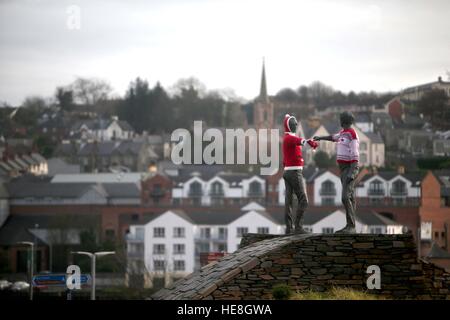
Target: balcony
255 194
327 192
376 192
216 193
399 192
135 238
214 238
195 193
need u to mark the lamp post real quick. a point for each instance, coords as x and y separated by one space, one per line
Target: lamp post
31 267
93 256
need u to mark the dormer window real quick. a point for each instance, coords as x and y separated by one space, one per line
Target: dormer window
255 189
216 189
398 188
195 189
376 188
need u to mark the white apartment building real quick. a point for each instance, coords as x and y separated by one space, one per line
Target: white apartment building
171 243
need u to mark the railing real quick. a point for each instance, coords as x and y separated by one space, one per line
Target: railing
254 193
216 193
398 192
134 238
195 193
327 192
211 238
376 192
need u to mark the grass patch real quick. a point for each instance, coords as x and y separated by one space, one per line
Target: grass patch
336 293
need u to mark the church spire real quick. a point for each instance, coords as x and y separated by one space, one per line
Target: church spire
263 91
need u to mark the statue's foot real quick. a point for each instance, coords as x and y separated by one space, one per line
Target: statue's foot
346 230
300 230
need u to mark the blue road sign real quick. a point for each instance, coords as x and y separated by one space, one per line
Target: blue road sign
56 280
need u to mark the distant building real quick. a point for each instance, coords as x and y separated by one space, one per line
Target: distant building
260 113
415 93
172 242
364 122
389 188
109 156
57 165
223 188
102 130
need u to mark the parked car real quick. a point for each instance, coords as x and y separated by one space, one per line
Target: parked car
5 284
20 285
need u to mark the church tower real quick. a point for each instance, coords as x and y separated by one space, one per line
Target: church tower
263 108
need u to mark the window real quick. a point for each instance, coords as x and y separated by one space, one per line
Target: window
270 188
327 188
436 235
159 265
376 230
326 201
363 158
363 146
159 248
195 189
205 233
178 265
398 201
398 188
135 217
376 201
223 232
308 229
241 231
216 189
255 189
327 230
376 188
179 248
140 233
178 232
203 247
158 232
263 230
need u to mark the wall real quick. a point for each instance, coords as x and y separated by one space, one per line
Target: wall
315 262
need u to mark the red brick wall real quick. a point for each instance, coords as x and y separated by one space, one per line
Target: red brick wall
431 209
148 185
395 109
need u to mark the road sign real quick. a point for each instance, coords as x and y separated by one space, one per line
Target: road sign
47 280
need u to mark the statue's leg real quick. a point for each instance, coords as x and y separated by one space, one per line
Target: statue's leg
347 201
289 219
302 197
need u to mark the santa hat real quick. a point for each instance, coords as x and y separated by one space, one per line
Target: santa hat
288 117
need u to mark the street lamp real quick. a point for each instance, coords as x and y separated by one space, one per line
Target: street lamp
93 257
31 244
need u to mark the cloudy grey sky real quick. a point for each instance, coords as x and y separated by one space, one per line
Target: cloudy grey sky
348 44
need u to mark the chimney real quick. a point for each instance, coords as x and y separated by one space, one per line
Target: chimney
401 169
439 79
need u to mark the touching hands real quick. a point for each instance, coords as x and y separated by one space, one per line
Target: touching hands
313 144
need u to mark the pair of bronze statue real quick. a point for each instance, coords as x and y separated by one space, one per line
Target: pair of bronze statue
347 157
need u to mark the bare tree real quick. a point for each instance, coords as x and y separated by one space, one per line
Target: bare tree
90 91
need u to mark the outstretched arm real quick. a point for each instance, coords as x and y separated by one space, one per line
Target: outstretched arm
327 138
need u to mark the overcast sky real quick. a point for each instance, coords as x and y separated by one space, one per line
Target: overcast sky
350 45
